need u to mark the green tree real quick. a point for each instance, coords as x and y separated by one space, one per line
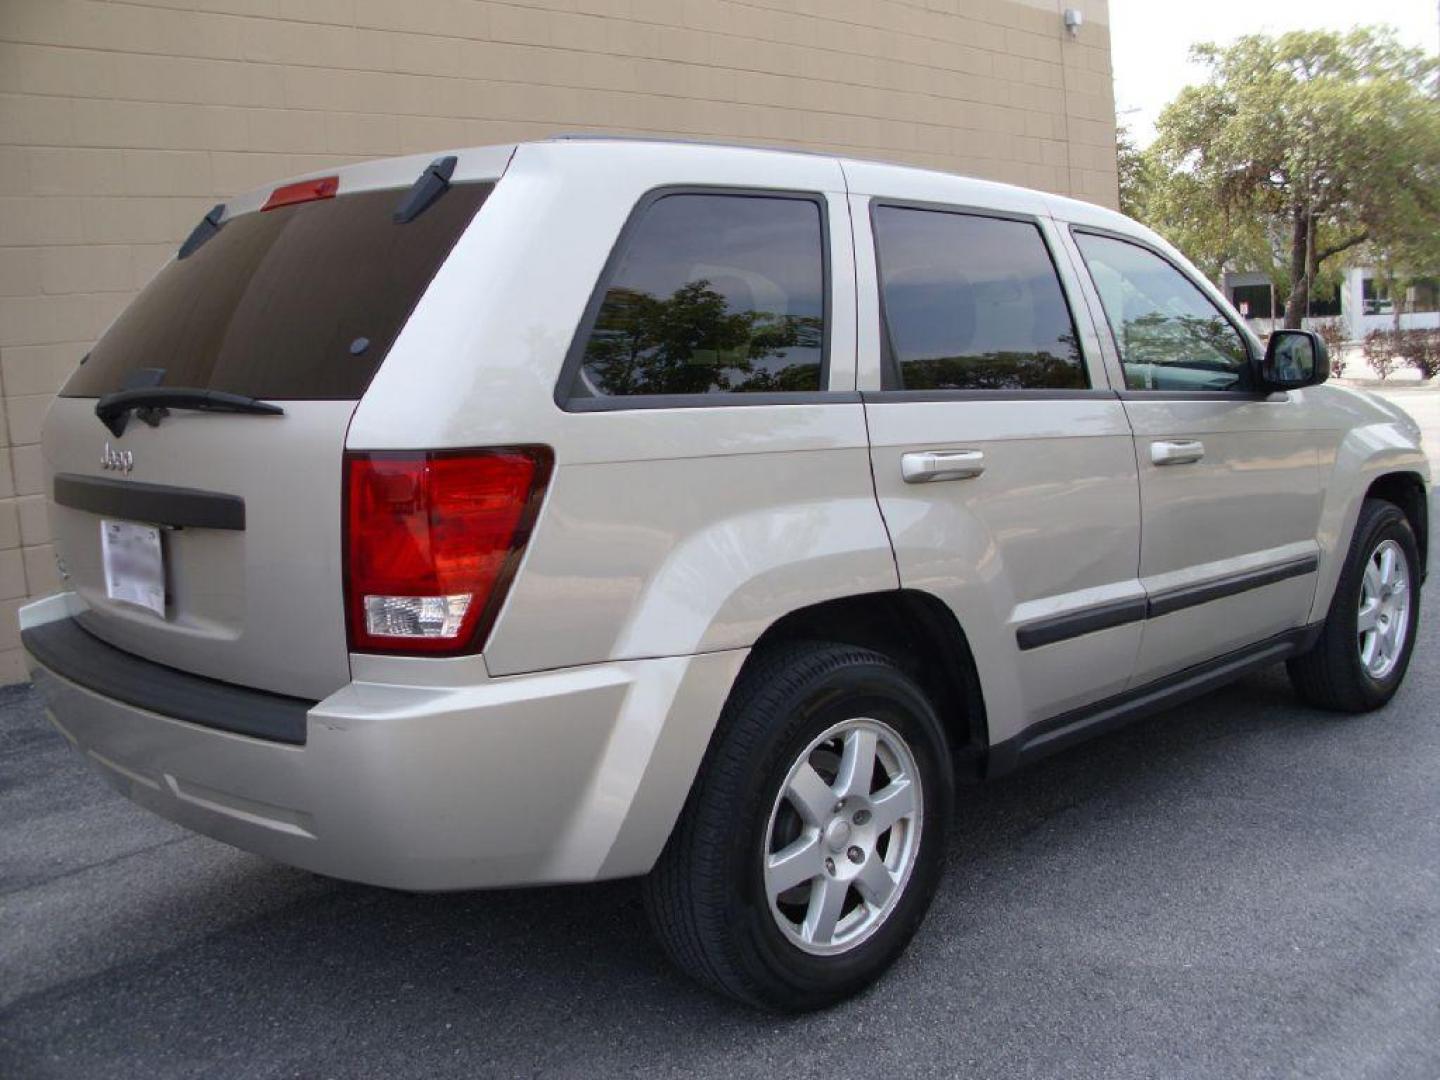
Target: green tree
1297 150
692 343
1006 369
1134 166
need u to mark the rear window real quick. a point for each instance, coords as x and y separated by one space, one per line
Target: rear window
300 302
712 294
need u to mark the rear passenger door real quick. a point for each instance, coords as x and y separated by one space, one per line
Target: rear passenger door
1229 476
1002 461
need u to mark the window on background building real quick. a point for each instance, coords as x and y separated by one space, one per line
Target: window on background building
1423 295
1252 301
1375 297
1417 295
1325 305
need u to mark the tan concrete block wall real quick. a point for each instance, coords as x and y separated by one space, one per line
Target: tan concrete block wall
121 123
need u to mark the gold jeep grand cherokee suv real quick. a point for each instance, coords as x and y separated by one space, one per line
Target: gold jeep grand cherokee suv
592 508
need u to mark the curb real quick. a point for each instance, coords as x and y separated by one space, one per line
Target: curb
1390 384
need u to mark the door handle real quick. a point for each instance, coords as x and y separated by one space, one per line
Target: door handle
1183 452
927 466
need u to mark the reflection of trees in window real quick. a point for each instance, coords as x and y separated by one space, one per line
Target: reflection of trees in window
692 343
1003 370
1191 341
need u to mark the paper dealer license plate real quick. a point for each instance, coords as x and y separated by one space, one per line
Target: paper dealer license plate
134 564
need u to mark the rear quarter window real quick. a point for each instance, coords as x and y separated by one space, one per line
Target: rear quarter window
709 294
299 302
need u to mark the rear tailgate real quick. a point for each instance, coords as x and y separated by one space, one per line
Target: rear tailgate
260 605
297 306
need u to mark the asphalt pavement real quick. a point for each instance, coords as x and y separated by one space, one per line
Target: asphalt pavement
1243 887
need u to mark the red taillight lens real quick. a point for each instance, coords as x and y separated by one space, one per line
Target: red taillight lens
431 541
305 191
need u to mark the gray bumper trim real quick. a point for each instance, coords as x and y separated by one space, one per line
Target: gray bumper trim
73 653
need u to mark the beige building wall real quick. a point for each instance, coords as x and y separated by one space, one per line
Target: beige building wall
121 123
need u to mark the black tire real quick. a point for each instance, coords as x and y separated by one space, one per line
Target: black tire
706 895
1331 675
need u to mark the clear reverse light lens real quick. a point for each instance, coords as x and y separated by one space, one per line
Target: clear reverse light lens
416 616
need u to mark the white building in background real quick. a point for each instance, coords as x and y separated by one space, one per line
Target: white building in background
1362 303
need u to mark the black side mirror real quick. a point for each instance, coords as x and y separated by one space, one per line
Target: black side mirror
1294 358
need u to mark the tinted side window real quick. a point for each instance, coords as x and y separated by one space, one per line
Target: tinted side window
973 303
712 294
1169 334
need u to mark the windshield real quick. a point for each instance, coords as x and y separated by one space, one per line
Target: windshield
300 302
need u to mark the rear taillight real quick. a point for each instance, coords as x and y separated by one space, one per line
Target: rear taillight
431 542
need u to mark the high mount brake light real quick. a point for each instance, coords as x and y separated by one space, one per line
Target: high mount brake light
432 541
305 191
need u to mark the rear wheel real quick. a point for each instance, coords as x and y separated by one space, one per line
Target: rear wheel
1364 649
813 839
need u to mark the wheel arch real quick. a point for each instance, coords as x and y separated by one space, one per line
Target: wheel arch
922 636
1407 491
913 628
1369 461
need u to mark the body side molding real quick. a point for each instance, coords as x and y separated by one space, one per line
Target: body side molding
1047 631
1163 603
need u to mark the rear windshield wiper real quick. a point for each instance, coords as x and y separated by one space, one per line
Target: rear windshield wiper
152 403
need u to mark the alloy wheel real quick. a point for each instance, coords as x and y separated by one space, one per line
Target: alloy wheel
843 836
1383 622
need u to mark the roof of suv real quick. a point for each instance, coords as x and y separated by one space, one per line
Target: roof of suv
999 188
489 162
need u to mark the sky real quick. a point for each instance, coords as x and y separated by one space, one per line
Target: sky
1151 39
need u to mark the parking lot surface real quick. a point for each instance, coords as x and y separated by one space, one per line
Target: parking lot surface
1242 887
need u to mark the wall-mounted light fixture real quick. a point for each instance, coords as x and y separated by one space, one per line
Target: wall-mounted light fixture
1074 19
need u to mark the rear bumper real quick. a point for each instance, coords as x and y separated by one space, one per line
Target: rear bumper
570 775
64 647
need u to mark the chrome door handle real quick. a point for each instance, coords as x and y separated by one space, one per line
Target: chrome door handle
1184 452
927 466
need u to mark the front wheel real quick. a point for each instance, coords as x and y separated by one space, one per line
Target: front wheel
1369 633
813 839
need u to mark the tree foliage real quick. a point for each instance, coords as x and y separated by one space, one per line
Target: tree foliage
1297 150
1004 369
1134 167
691 342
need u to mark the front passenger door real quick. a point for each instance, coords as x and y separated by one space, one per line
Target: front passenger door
1229 477
1002 462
